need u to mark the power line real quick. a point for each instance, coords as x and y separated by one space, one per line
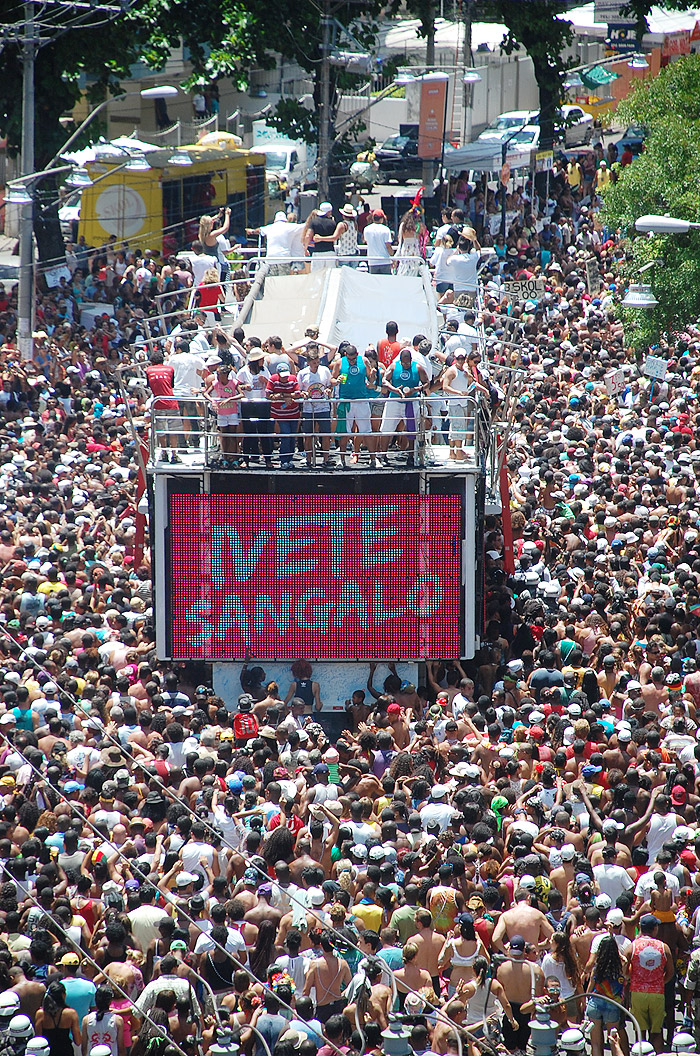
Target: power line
219 835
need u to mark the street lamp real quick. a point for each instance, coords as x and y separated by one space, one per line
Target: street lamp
663 225
639 295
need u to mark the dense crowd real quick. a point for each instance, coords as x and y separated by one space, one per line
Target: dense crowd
517 833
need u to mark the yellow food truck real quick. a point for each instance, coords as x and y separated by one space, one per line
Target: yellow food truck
159 207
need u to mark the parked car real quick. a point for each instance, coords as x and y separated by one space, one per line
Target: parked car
398 159
633 137
506 124
572 125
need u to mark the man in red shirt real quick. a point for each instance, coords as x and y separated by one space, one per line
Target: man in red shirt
160 379
389 347
282 391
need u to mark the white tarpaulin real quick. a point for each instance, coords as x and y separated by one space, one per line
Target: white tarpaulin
290 304
346 304
359 305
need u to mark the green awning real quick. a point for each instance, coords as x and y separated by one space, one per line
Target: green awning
598 76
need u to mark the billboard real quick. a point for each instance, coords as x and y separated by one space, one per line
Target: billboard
431 126
324 577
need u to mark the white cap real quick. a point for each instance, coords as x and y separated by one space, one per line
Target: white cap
280 215
567 851
614 917
527 881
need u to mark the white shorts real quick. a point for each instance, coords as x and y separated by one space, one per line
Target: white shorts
357 413
396 411
222 420
322 260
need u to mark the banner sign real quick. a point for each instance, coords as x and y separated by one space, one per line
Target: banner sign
431 124
615 381
544 160
622 37
655 367
593 280
524 289
324 577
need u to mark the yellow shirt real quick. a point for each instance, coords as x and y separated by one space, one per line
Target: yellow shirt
369 914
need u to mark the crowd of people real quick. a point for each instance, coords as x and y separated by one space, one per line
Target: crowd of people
512 835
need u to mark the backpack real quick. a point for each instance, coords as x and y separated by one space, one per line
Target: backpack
245 726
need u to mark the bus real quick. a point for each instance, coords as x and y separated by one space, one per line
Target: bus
159 207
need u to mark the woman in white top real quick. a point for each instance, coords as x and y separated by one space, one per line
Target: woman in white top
103 1027
461 950
485 998
344 238
560 964
409 245
462 265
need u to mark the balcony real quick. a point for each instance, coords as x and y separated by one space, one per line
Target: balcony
385 433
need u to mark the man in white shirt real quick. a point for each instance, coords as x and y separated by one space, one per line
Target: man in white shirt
283 242
190 370
195 849
200 262
438 810
612 879
378 239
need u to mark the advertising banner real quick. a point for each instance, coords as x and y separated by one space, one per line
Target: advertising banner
315 576
431 127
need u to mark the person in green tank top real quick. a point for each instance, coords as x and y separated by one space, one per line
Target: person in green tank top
355 376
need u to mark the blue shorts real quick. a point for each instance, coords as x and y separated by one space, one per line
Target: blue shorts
597 1008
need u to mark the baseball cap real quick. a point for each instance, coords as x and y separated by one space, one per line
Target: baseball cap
517 943
438 791
316 896
69 958
321 768
614 917
183 879
678 794
567 851
358 850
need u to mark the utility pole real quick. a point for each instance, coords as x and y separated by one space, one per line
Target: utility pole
467 89
324 118
25 297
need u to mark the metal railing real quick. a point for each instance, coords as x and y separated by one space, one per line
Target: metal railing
299 265
426 430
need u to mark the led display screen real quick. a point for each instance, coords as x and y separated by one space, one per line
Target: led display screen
315 576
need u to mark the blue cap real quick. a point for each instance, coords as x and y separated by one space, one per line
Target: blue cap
235 784
591 771
73 786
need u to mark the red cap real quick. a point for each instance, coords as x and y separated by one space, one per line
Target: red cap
537 732
394 709
378 215
678 795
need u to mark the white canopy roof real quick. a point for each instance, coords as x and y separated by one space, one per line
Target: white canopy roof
121 143
660 21
403 36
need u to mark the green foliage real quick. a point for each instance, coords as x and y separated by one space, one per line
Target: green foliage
535 27
295 120
663 180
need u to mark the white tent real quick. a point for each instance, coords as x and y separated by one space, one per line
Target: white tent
122 143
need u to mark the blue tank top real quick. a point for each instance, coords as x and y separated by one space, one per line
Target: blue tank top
402 378
355 385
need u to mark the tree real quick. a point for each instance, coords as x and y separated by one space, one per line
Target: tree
535 27
663 179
